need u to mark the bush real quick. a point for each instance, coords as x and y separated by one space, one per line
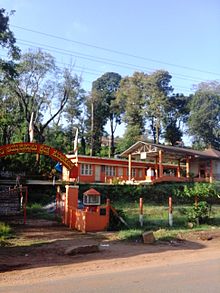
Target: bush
114 223
198 214
5 230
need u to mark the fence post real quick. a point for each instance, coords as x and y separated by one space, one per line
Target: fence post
170 212
141 220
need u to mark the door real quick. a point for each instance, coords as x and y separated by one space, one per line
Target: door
97 173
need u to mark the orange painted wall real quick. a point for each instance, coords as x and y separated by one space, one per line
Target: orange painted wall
71 203
83 220
87 221
119 164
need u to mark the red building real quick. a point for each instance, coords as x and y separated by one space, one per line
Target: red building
145 162
106 170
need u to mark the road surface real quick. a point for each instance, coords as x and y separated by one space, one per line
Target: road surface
200 276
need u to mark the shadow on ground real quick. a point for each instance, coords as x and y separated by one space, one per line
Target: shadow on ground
43 243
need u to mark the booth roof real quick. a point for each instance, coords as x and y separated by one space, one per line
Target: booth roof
91 191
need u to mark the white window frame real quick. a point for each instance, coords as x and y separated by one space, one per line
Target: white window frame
110 170
133 172
86 169
120 171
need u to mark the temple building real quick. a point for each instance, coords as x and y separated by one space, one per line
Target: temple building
147 162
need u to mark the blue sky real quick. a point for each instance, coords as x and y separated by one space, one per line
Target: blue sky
124 36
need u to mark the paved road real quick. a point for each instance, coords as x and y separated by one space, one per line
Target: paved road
202 276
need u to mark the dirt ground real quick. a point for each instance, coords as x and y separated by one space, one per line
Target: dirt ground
41 254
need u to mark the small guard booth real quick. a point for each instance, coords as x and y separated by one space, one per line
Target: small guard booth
93 217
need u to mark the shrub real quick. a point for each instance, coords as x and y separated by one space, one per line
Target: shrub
5 230
114 223
198 214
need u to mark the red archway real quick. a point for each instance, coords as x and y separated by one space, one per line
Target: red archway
42 149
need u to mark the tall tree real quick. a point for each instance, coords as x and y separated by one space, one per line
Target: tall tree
177 112
42 89
131 102
7 42
95 122
104 89
10 117
101 108
204 119
157 89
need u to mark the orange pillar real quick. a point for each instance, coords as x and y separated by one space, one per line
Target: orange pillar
71 204
178 169
211 172
129 167
187 167
160 163
156 168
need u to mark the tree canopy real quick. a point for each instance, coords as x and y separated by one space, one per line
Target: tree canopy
8 44
204 119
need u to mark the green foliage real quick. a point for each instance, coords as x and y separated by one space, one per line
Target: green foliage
131 101
102 107
198 214
172 133
5 230
131 234
7 42
158 88
41 195
132 135
202 190
204 120
159 193
115 224
36 210
177 111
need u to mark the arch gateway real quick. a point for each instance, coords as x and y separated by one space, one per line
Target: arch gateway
41 149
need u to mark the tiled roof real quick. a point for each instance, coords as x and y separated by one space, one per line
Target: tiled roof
209 154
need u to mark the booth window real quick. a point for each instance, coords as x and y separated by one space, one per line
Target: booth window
91 200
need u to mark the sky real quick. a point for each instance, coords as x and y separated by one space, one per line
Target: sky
124 36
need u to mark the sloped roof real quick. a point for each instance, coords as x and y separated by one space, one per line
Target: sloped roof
208 154
92 191
212 152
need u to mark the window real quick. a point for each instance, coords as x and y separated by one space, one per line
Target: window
133 172
91 199
140 173
110 171
120 172
86 169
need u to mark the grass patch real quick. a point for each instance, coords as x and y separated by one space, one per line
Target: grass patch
131 234
156 220
5 234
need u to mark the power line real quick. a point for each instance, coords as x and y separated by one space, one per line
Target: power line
116 51
100 59
91 71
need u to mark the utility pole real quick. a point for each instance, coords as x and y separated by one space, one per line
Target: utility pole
92 126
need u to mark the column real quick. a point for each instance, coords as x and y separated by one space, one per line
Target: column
129 167
187 167
160 163
178 169
156 167
211 172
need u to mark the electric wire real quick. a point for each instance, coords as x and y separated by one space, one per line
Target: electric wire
115 51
